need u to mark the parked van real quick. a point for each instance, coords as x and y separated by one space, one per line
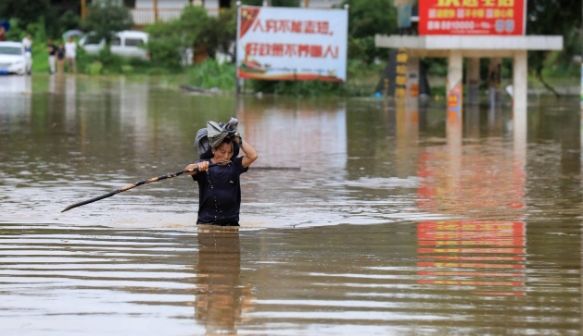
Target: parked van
127 43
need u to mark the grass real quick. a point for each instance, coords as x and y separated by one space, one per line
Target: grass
40 58
362 80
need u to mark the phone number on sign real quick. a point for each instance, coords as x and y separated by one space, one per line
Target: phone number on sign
439 25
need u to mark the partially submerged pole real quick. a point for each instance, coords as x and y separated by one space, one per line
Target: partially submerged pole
139 183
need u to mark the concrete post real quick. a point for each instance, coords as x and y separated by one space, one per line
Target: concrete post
494 81
519 126
454 88
520 150
519 81
519 96
473 81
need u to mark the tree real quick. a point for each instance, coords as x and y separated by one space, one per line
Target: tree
196 27
225 33
164 44
26 13
69 20
105 18
552 17
194 30
366 19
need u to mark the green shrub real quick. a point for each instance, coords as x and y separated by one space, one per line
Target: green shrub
15 33
194 30
127 69
111 62
164 44
83 60
210 74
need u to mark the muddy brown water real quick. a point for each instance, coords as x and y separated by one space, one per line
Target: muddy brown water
394 223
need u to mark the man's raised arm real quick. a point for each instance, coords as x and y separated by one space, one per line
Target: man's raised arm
250 153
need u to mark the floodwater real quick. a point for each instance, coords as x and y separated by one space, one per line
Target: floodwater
361 216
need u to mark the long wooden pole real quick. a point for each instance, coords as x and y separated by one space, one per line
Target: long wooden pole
139 183
306 3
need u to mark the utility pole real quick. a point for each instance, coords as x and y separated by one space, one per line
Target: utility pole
155 10
83 8
237 79
581 94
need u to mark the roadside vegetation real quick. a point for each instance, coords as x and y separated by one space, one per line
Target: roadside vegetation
201 38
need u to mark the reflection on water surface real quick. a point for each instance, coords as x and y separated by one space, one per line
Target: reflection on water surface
399 221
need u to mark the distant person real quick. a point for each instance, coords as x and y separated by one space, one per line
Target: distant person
27 42
52 56
70 54
60 58
2 33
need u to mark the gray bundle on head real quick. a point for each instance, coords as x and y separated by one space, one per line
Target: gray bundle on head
201 142
213 135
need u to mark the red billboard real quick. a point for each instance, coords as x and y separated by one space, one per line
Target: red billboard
472 17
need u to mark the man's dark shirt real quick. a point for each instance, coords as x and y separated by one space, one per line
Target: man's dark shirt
61 53
219 192
52 49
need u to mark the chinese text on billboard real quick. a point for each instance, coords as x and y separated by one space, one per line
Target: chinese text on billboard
292 44
472 17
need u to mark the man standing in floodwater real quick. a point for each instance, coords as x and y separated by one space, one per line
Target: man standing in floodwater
219 186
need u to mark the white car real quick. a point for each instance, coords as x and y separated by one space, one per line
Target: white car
127 43
13 59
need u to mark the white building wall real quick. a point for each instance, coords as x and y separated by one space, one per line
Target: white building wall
177 4
211 3
215 3
321 3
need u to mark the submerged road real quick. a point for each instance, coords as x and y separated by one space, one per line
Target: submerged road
393 225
